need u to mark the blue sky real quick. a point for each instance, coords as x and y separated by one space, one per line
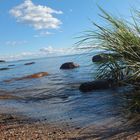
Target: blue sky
30 28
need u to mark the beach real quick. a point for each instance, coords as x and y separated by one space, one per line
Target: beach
13 128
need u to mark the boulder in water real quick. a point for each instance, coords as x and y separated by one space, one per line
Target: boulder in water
69 65
99 58
103 57
96 85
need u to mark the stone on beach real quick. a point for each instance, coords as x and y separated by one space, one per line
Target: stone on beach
69 65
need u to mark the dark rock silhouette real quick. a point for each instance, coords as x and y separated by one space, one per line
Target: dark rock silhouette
69 65
105 57
11 65
2 61
30 63
99 58
2 69
96 85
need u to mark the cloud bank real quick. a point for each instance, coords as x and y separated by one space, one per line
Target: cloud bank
44 52
37 16
57 51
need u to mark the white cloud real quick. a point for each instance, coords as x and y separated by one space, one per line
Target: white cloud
59 51
15 43
43 34
37 16
22 55
56 51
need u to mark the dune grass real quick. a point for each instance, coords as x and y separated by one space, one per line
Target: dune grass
118 37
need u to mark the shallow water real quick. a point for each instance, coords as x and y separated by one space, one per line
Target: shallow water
56 97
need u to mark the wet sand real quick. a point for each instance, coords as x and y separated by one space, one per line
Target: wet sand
14 127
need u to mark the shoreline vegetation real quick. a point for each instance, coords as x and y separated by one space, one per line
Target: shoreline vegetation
118 66
120 62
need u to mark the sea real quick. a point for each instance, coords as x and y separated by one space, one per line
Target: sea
56 97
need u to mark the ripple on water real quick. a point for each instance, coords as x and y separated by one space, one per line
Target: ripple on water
56 97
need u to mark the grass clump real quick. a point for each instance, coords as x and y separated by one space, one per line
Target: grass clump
121 38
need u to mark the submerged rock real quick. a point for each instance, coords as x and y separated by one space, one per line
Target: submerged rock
8 96
11 65
69 65
1 69
32 76
36 75
30 63
2 61
96 85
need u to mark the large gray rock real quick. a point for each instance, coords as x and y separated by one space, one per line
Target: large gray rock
96 85
69 65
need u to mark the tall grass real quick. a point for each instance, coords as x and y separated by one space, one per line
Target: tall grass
118 37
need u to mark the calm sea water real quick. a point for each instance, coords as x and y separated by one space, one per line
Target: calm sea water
56 97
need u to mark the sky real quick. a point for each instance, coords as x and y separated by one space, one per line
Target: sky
35 28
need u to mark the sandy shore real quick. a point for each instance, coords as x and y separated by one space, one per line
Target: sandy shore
13 127
18 127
